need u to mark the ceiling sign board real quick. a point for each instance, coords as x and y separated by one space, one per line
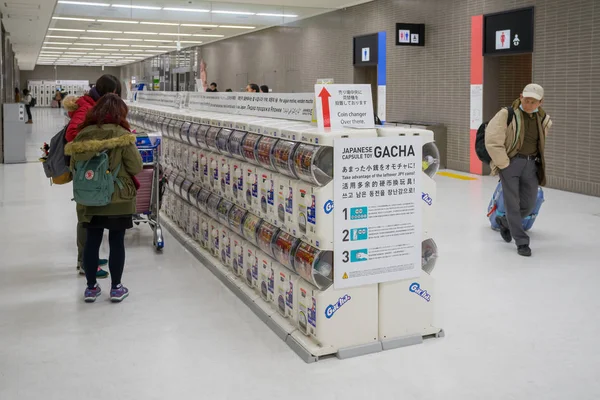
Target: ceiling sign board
366 51
410 34
508 32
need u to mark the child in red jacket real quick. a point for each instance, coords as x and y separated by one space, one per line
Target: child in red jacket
77 108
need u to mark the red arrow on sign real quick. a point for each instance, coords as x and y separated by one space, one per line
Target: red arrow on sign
324 95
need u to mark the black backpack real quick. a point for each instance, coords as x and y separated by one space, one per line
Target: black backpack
33 102
480 149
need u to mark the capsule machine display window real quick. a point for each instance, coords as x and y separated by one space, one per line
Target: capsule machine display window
211 138
236 140
314 164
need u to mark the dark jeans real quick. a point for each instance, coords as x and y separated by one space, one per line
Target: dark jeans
28 110
116 259
520 187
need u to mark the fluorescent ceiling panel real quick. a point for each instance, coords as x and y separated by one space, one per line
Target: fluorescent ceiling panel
101 31
66 30
277 15
236 27
45 43
136 7
75 19
140 33
114 21
198 10
232 12
207 35
84 3
158 23
174 34
61 37
201 25
94 38
127 40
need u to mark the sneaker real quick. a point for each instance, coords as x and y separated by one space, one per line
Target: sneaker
504 229
91 295
524 250
102 274
118 294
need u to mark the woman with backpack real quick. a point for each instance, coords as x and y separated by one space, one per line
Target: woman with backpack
104 160
77 108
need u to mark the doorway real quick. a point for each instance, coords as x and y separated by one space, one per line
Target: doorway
504 78
368 75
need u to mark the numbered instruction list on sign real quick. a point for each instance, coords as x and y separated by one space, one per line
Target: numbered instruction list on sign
377 221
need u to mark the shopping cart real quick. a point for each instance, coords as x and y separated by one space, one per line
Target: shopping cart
149 194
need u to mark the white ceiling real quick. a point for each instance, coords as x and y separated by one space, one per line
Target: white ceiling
119 32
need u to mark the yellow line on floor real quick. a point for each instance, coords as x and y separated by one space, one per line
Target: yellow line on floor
456 176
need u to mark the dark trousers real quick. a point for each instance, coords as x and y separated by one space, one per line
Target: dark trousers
91 254
28 110
520 187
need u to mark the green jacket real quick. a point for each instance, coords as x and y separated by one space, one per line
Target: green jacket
122 150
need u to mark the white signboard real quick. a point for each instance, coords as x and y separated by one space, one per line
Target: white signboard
414 38
476 106
217 102
344 106
377 220
503 40
296 106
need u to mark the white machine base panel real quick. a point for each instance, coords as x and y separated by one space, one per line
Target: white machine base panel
304 346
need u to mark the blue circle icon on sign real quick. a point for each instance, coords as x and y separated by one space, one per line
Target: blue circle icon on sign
328 207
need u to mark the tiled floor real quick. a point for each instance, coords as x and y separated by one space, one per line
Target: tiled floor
516 328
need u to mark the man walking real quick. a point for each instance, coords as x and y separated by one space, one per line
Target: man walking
517 153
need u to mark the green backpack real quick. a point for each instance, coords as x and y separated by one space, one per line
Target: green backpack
94 183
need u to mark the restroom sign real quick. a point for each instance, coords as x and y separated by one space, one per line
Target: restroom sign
366 54
503 40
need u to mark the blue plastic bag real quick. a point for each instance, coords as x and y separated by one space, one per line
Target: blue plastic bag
496 208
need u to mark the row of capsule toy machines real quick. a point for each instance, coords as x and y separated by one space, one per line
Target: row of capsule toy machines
255 193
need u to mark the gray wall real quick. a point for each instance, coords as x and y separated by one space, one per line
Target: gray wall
47 72
432 83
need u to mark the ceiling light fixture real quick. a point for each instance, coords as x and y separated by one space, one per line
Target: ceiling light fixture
75 19
201 25
82 3
167 47
198 10
232 12
140 33
116 45
190 41
174 34
158 40
158 23
83 49
86 44
155 51
54 48
136 7
93 38
101 31
115 21
277 15
61 37
143 45
127 40
104 50
58 43
207 35
66 30
237 27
